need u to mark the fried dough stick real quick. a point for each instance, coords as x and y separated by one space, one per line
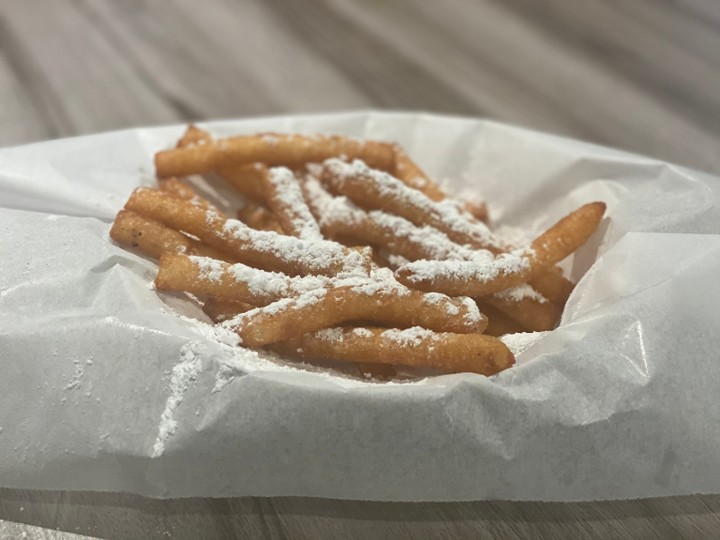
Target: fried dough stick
193 136
455 353
179 189
277 188
525 306
220 310
314 310
207 277
263 249
247 178
499 323
507 270
290 150
410 174
152 238
260 218
286 201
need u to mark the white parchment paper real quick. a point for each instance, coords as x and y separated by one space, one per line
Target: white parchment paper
103 386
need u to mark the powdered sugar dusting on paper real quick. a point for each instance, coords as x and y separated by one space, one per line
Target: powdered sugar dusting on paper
219 347
522 341
182 376
78 374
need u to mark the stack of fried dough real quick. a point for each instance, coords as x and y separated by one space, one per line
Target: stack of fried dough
346 250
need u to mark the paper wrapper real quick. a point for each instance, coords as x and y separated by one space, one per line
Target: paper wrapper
103 386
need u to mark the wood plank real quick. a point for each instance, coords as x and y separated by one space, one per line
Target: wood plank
404 61
227 59
704 11
21 106
610 109
88 84
632 40
677 22
19 120
121 516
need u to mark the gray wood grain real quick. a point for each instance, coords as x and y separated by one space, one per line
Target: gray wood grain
636 74
127 516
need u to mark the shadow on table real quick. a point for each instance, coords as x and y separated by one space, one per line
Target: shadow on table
107 515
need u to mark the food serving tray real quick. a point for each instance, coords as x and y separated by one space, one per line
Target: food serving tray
109 385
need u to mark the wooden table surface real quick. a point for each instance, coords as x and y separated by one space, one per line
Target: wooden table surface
637 74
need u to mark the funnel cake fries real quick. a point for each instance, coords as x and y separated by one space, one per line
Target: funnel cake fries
152 238
260 218
474 353
507 269
264 249
527 307
285 199
377 190
368 300
400 237
290 150
338 232
308 301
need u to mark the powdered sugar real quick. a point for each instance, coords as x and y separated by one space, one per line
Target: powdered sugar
472 313
213 217
309 298
410 337
434 298
521 292
274 284
287 200
330 211
483 267
283 304
315 256
362 332
520 342
182 376
210 269
394 261
335 335
270 139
